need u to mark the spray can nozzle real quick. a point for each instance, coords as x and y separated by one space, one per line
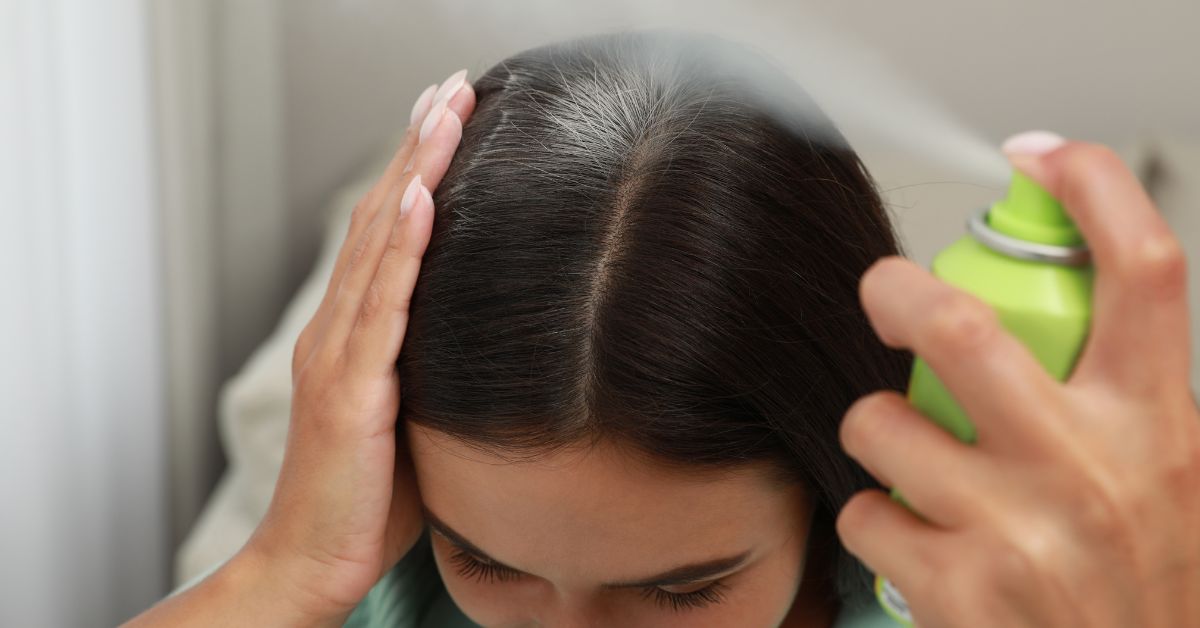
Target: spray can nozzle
1029 213
1030 224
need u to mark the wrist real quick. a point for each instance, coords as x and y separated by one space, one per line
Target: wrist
263 589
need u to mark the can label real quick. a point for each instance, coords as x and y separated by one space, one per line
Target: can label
892 601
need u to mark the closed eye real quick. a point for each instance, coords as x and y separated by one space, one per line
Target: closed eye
473 568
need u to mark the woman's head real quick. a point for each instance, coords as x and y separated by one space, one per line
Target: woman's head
635 331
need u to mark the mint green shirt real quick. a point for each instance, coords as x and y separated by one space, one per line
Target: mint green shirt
412 595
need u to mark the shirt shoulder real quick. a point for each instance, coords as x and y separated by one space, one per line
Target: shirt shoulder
410 595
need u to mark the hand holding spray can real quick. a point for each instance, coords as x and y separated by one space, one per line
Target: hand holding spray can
1024 257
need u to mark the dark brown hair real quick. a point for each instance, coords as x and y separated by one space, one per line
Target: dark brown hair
632 243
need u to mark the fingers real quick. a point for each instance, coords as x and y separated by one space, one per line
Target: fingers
432 158
383 316
461 96
443 130
934 472
392 173
462 102
995 378
1140 334
891 541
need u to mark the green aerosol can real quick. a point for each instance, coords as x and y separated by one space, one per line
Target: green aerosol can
1025 257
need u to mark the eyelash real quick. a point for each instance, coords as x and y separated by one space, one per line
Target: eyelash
471 567
711 594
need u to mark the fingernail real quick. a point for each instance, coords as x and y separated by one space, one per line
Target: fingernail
427 194
1032 143
421 107
431 121
410 196
451 86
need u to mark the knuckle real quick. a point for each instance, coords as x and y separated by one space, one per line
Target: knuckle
1157 265
362 210
316 385
1030 547
1181 467
307 382
1099 512
989 575
360 248
393 254
372 303
1014 567
960 322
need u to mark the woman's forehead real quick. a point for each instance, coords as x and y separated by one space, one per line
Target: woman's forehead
605 466
600 506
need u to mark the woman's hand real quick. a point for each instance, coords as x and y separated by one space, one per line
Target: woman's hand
346 506
1079 504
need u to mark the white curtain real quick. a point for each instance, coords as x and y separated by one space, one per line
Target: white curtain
83 537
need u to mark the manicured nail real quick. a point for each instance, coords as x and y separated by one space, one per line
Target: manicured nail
410 196
451 86
431 121
421 107
1032 143
428 196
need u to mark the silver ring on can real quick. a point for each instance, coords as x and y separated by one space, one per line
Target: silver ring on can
1066 255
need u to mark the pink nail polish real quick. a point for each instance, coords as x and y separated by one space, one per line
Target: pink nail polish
426 193
421 107
1032 143
432 120
410 196
453 83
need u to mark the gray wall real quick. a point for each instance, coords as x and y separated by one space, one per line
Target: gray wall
1110 71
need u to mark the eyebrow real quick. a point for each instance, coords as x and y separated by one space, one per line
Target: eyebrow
685 574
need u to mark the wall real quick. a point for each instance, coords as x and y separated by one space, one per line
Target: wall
1110 71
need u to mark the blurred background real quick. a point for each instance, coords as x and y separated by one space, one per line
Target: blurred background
175 175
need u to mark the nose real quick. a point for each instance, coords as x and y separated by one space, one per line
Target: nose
565 620
569 611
